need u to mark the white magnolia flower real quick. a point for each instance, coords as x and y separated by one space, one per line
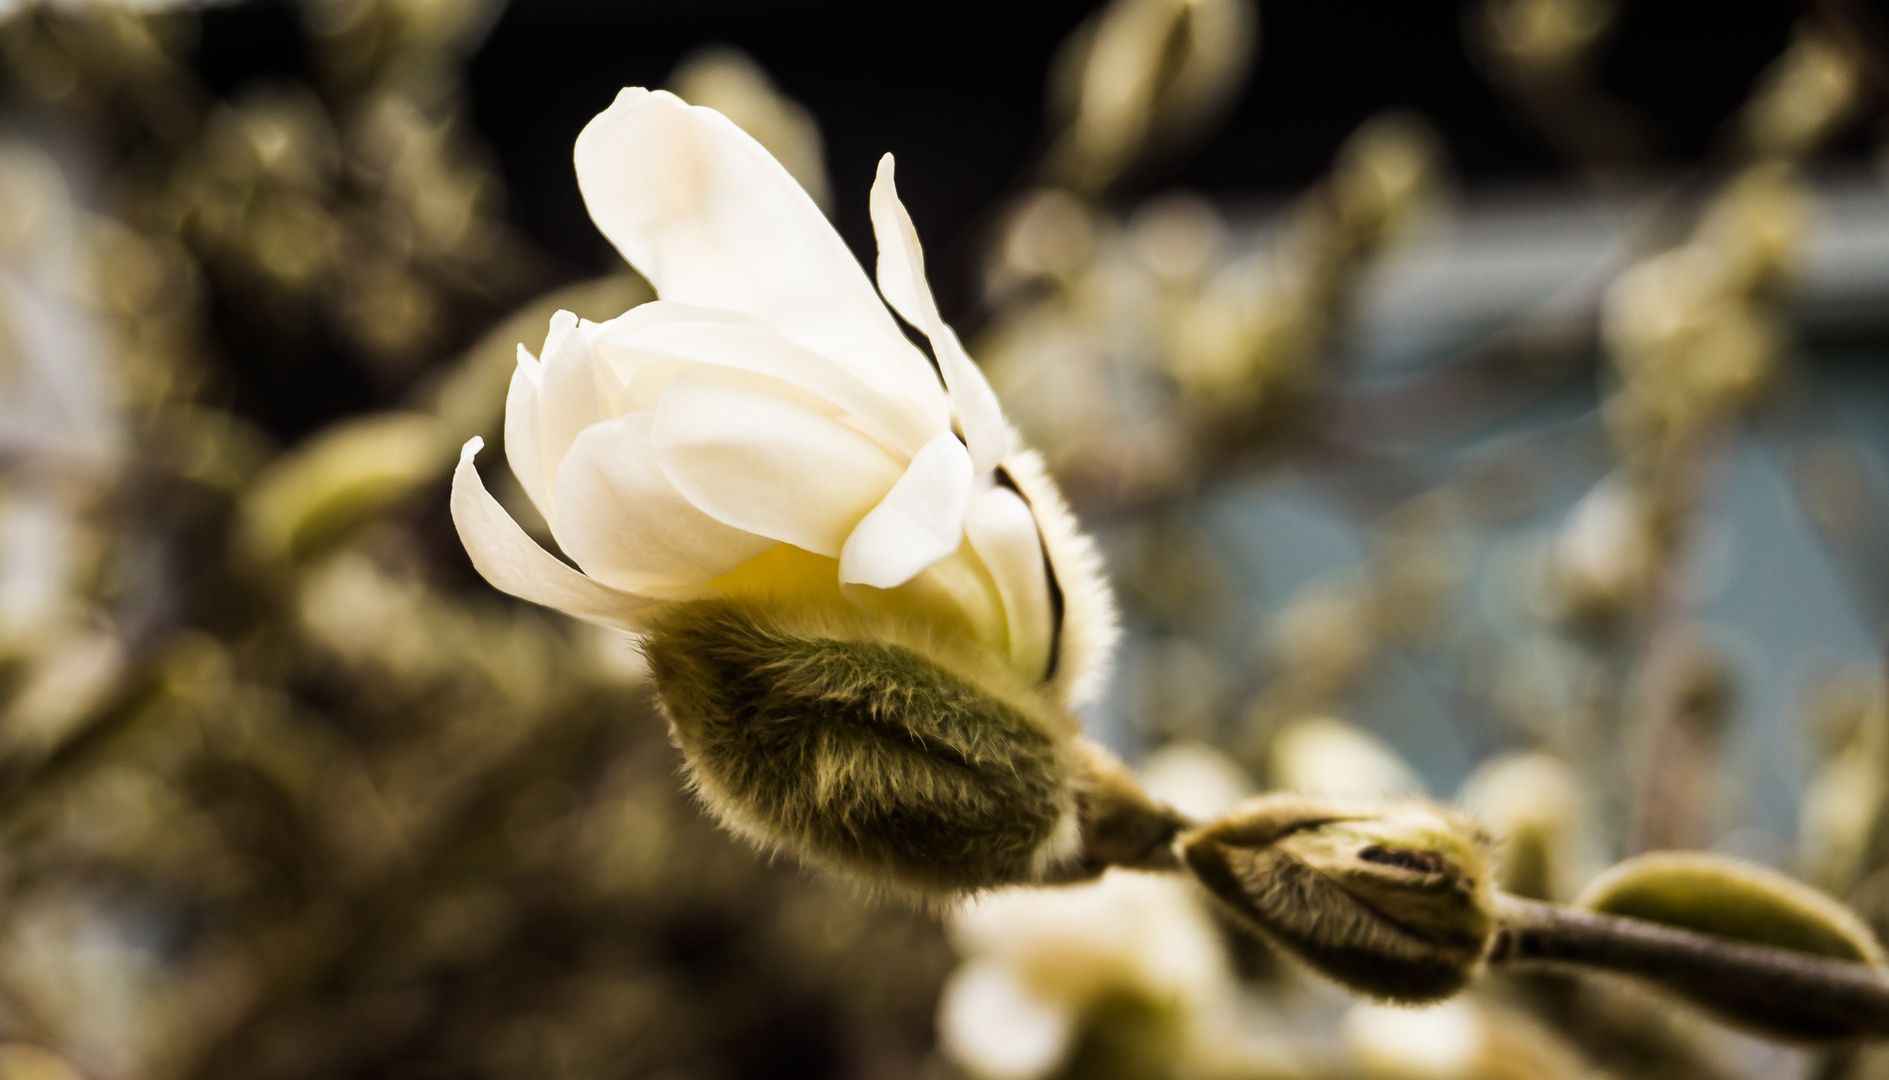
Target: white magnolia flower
766 428
1035 960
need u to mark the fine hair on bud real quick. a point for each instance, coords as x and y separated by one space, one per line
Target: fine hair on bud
1392 901
895 757
1121 824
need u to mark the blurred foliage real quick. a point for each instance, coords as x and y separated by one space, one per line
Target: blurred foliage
283 796
286 792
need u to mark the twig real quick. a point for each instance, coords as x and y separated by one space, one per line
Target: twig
1797 990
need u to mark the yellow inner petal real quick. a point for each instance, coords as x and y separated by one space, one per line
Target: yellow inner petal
956 596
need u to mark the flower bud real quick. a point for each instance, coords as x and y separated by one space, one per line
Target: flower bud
1392 901
1741 902
1383 174
887 753
1537 805
1460 1039
339 479
1120 977
1326 756
1805 96
1145 75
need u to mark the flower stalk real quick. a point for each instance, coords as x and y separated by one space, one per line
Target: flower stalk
1781 992
1395 901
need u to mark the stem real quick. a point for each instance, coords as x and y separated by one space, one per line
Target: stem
1779 989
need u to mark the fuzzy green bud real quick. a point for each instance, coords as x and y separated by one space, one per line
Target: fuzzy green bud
342 477
888 754
1739 902
1392 901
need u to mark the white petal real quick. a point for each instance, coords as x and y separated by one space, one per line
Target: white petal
1003 533
996 1026
1085 642
920 521
902 280
515 564
627 526
567 396
768 467
522 444
663 312
748 347
710 218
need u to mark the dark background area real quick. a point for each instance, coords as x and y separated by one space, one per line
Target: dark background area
956 90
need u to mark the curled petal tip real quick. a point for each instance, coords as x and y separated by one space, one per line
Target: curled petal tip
514 563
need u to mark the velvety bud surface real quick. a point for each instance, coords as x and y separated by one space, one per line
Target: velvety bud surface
863 750
1391 901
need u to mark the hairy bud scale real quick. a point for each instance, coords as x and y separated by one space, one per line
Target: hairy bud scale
868 749
1394 901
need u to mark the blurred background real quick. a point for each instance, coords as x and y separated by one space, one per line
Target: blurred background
1482 400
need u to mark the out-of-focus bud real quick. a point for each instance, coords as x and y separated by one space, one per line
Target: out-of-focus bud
1246 336
1383 175
730 82
1804 96
1738 901
1250 337
73 675
1684 340
371 619
1046 233
1536 805
879 751
1651 307
1326 756
1688 329
254 193
104 55
150 292
1846 799
1599 559
1195 778
439 195
1542 40
345 475
1121 977
1460 1039
409 41
1755 228
1542 53
1325 636
20 1061
1177 236
1392 901
1731 898
1142 77
1842 809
